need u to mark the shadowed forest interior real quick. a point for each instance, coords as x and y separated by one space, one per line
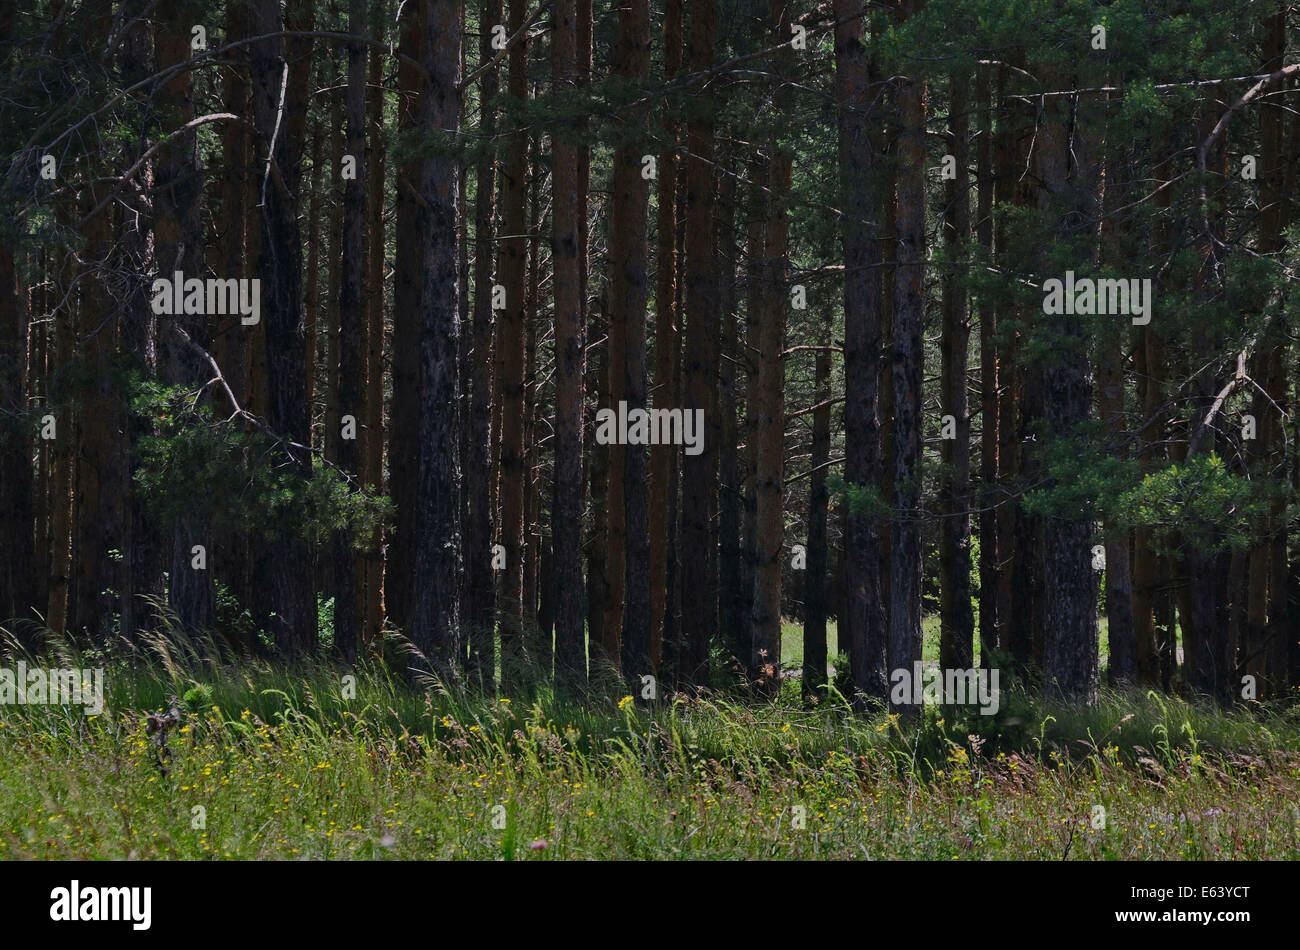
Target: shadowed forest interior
639 347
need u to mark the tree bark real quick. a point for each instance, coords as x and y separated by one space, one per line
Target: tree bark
480 610
628 293
437 558
908 355
864 626
178 244
289 607
699 620
667 356
348 581
956 618
513 249
1067 170
566 511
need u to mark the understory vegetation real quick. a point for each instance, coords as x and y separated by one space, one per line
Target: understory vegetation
272 762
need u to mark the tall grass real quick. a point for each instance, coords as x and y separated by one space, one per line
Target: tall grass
301 762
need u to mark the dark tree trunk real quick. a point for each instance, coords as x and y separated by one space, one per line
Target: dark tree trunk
373 455
566 512
437 558
908 354
814 601
513 249
733 604
480 611
663 458
699 619
17 540
352 321
863 627
990 378
407 281
1067 170
143 546
628 294
769 434
956 618
178 246
286 564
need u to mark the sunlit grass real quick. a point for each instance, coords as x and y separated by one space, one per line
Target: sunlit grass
272 763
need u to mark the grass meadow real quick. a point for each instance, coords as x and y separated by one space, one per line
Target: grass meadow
269 763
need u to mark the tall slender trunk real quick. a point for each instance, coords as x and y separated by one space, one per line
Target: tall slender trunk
348 602
437 557
990 379
61 497
667 357
814 601
863 626
755 291
733 604
142 547
699 472
178 245
908 354
17 538
1264 646
629 290
289 599
405 344
373 450
513 249
566 510
540 636
1122 668
480 611
1066 167
956 618
769 435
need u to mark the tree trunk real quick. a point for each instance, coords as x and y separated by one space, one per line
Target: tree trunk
17 540
1066 169
513 249
814 601
566 511
990 378
480 610
628 294
733 604
769 434
863 627
908 354
290 603
348 601
437 558
1120 632
405 343
699 621
178 244
373 450
956 619
663 458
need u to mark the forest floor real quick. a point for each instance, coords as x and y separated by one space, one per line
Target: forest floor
268 763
